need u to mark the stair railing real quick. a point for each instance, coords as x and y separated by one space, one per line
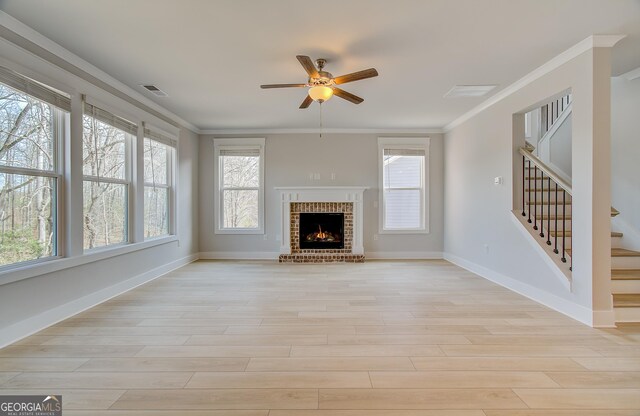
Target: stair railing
534 170
551 112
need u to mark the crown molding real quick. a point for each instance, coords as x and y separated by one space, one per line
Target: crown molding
631 75
44 48
317 131
593 41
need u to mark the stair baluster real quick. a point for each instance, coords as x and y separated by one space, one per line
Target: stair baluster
529 199
555 237
564 214
524 178
549 211
542 204
535 198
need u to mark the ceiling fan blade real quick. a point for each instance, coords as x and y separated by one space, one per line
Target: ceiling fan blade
347 95
355 76
307 102
308 65
281 85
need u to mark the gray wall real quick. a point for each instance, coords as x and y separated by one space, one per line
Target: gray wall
33 303
482 232
560 148
625 157
289 159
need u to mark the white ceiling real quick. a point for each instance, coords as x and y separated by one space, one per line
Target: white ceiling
210 56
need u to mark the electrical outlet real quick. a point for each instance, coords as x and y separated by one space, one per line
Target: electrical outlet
375 237
498 180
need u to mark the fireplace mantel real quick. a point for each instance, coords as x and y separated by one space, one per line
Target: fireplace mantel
350 194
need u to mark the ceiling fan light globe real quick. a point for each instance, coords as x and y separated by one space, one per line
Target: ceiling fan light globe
320 93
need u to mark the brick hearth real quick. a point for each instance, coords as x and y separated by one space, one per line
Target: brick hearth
317 255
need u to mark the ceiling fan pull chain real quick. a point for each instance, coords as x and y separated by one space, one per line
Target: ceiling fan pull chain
321 120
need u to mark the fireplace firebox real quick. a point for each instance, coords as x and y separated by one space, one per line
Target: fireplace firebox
321 230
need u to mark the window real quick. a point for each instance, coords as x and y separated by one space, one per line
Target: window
240 185
403 185
106 154
32 122
158 184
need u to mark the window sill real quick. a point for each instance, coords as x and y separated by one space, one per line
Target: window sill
386 232
56 264
240 232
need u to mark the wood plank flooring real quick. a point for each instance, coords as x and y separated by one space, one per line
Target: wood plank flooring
421 338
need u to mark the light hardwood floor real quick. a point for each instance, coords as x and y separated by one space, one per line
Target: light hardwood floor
380 338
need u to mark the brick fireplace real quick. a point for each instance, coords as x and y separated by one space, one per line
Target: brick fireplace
334 200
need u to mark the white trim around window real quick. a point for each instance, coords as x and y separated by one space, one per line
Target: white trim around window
413 146
169 182
239 145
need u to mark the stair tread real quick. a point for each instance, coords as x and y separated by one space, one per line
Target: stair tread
625 274
621 252
626 300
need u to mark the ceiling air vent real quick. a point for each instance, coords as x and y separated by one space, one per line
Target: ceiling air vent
155 90
462 91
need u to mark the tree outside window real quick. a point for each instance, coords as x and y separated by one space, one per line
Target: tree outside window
106 187
239 185
28 177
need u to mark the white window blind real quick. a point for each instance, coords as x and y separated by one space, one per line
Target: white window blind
240 152
35 89
403 168
110 119
160 138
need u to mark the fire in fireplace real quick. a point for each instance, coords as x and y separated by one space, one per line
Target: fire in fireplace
321 230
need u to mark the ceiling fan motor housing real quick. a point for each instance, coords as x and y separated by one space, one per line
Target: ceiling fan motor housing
323 78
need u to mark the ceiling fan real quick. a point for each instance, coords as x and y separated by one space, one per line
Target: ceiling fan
322 85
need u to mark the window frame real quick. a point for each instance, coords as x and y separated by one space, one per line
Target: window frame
172 150
127 181
253 144
409 143
60 120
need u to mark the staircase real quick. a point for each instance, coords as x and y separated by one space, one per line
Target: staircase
625 282
546 209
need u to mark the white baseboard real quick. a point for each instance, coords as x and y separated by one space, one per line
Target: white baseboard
239 255
39 322
403 255
572 310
